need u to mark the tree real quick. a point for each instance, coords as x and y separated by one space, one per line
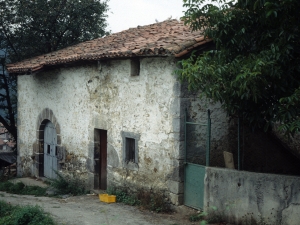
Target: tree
8 101
33 27
254 70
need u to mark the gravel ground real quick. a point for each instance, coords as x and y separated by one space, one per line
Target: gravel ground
88 210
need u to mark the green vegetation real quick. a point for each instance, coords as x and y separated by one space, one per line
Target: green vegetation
147 200
68 184
20 189
207 218
196 217
126 198
254 69
23 215
63 184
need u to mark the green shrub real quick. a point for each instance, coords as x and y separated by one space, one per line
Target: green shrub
68 184
126 198
153 201
196 217
5 209
31 215
26 215
123 196
146 199
16 188
34 190
21 189
5 186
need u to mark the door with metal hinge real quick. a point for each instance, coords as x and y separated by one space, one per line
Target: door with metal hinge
50 151
197 154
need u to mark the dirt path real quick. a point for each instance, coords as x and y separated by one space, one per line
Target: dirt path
88 210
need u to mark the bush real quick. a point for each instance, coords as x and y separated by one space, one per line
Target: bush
68 184
196 217
152 201
34 190
5 186
16 188
5 209
26 215
21 189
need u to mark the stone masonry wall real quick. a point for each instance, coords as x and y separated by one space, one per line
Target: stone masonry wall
105 96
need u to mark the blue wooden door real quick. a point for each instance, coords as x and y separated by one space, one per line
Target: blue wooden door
50 151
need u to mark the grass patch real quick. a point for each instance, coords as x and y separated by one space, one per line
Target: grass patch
63 184
23 215
196 217
68 184
20 189
145 199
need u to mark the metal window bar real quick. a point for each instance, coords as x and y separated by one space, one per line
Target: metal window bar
207 139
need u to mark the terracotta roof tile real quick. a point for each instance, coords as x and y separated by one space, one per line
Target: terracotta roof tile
170 37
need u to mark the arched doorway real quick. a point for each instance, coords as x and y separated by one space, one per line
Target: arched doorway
50 150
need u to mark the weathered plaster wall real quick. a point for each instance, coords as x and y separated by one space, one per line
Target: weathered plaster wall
105 96
252 198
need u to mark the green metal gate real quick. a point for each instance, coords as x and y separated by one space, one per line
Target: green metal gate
196 158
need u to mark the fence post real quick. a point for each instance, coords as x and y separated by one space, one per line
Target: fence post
208 138
185 119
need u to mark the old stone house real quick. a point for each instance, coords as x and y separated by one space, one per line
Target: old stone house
111 110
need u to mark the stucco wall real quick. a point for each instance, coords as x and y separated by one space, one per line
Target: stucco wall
252 198
105 96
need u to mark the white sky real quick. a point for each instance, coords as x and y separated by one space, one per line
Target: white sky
125 14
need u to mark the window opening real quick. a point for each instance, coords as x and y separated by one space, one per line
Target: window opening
135 67
48 149
130 150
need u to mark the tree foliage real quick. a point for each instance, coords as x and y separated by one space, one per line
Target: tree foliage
254 70
33 27
8 101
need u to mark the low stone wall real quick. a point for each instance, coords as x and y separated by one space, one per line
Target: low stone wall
252 198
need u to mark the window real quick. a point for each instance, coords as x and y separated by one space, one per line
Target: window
135 67
130 150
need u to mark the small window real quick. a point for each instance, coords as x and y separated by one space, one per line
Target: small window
130 150
48 149
135 67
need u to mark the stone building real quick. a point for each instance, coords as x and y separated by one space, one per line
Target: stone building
111 110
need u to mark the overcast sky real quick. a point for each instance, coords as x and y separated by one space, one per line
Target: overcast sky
124 14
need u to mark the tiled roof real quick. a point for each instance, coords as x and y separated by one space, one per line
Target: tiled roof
170 37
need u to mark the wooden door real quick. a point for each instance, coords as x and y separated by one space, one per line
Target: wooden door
100 157
50 152
103 160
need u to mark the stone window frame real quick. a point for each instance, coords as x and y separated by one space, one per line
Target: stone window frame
130 165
